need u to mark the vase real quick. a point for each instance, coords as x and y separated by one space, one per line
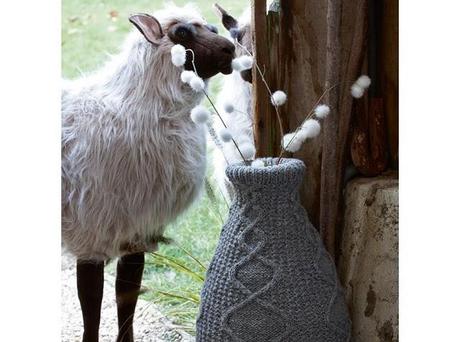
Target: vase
271 279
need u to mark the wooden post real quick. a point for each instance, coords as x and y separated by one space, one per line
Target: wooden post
265 33
263 120
389 65
276 74
292 52
329 176
368 142
332 178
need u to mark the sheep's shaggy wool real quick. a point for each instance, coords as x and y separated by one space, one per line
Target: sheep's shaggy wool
132 159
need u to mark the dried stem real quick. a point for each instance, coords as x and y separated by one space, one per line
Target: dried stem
215 109
278 115
309 115
215 139
223 123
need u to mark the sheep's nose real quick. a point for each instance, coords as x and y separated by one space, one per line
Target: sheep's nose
229 49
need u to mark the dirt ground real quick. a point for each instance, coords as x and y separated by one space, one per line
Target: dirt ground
149 324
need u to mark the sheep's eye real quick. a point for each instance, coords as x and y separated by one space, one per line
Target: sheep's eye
182 32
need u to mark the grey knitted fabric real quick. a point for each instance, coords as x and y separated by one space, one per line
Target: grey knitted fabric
271 278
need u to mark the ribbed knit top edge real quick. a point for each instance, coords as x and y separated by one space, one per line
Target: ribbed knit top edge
289 171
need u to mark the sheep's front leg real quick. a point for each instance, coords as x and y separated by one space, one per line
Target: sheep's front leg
129 278
90 285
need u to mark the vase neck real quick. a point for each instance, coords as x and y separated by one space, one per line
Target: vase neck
271 180
273 196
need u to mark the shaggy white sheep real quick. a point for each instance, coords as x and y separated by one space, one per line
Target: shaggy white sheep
132 158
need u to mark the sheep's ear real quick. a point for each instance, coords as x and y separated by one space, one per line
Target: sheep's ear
227 20
148 26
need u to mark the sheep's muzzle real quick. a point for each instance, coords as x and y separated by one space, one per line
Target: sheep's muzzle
213 53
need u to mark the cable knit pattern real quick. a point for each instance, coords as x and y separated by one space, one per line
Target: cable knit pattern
271 278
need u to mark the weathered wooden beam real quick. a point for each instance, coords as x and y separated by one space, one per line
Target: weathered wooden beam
264 113
262 121
333 168
389 50
368 141
276 75
298 67
303 50
329 178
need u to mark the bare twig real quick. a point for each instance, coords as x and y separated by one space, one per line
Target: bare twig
223 123
215 109
278 115
309 115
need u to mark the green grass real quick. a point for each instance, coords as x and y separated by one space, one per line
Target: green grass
197 232
91 30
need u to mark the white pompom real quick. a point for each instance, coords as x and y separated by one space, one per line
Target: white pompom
357 91
200 115
279 98
228 107
186 76
322 111
258 163
178 60
247 150
236 65
197 83
225 135
178 55
310 129
178 49
292 142
363 81
246 62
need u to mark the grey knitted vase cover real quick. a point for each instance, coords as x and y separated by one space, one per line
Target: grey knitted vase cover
271 278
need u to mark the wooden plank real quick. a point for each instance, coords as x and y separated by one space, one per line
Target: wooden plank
329 180
264 120
355 29
389 49
352 38
300 71
302 45
368 142
275 76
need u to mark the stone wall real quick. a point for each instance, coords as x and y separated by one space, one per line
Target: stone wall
368 264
